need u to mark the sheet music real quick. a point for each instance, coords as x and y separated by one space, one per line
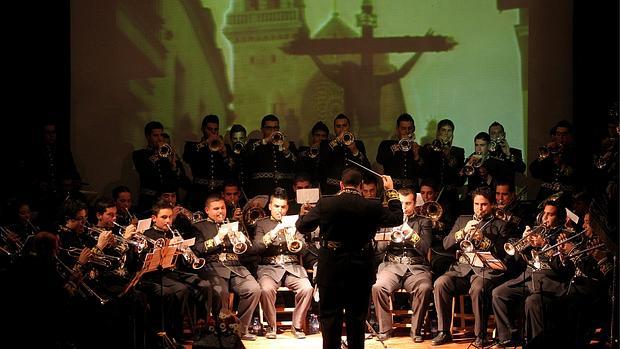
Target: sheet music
143 225
310 195
233 226
289 221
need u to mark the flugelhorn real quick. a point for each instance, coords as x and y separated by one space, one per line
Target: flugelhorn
293 244
186 251
404 235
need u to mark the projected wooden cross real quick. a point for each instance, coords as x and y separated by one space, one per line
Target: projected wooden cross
362 88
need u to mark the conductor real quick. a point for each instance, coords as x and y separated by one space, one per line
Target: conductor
346 273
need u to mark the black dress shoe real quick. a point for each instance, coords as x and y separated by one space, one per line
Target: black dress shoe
417 338
507 343
481 342
442 338
384 336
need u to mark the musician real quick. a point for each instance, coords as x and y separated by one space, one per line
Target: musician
302 181
271 165
238 140
231 193
348 223
401 158
174 287
333 155
72 231
281 265
510 209
539 284
485 233
124 206
482 175
182 218
156 166
501 150
556 165
309 157
443 161
405 265
369 187
223 268
209 160
440 258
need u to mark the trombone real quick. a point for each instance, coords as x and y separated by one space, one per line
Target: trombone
103 260
432 210
68 272
536 254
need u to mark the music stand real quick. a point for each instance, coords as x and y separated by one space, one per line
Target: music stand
483 260
158 260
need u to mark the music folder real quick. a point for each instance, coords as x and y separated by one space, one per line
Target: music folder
485 259
164 257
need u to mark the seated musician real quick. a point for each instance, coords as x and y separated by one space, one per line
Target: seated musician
405 265
543 279
279 248
222 267
480 232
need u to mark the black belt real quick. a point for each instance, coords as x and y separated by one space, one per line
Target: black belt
340 245
222 257
280 259
413 260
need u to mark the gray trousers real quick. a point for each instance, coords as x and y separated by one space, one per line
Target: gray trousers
419 287
246 288
303 297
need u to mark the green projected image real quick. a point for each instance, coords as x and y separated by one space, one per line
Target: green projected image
305 61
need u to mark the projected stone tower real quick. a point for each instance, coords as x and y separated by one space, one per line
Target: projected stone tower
266 80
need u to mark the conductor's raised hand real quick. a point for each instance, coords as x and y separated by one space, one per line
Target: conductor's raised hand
387 182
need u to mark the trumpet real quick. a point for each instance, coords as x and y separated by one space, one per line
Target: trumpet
468 244
141 241
164 151
313 152
405 144
277 138
348 138
432 210
238 241
401 236
66 273
238 147
496 143
293 244
546 151
121 245
186 251
512 248
472 164
102 260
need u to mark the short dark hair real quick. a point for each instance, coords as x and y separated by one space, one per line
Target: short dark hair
116 192
279 193
103 204
495 123
561 209
268 117
342 116
302 177
320 126
405 117
484 192
368 179
351 176
152 125
210 119
70 209
160 205
230 183
484 136
563 123
509 183
445 122
212 198
237 128
406 192
429 182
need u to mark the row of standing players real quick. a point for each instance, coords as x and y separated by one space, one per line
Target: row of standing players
411 263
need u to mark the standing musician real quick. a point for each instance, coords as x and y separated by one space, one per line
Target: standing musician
401 158
348 223
544 278
157 165
484 233
443 161
209 160
500 149
334 152
238 140
222 267
309 157
179 286
270 160
405 265
280 248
